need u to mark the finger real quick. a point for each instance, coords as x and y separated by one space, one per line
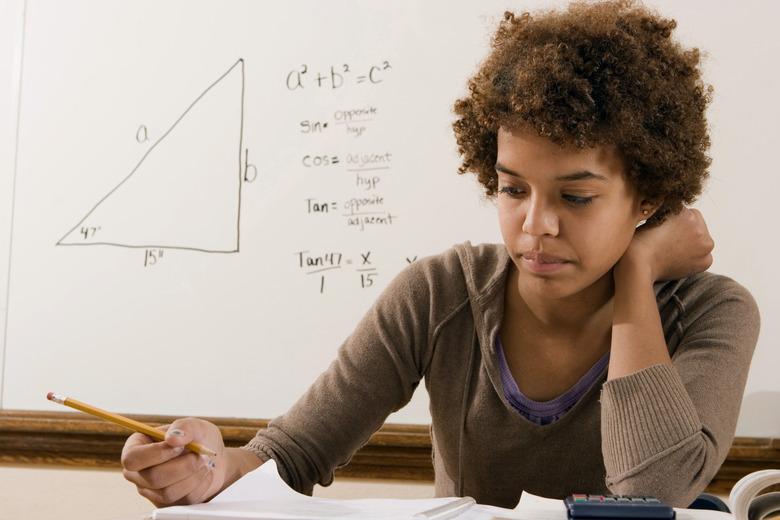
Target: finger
707 262
710 245
172 471
201 491
183 431
700 219
173 496
139 439
141 451
184 479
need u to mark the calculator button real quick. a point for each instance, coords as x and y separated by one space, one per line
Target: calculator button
617 507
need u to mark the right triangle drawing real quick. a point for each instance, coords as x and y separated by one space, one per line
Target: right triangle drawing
185 192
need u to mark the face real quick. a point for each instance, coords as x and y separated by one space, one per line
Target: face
567 215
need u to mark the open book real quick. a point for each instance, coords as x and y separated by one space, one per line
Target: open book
745 501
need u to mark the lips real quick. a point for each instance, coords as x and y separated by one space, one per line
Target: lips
542 258
542 263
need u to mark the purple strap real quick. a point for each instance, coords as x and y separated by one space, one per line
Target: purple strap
549 411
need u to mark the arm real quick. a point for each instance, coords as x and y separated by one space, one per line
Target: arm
375 373
377 370
677 248
668 422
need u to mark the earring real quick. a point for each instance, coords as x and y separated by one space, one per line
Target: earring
642 222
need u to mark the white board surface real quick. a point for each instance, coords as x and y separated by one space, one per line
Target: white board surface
201 198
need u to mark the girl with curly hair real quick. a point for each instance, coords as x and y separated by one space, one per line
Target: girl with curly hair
588 353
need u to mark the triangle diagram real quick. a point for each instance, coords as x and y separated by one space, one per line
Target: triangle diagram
185 193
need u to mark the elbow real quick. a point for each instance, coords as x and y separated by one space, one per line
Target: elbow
675 478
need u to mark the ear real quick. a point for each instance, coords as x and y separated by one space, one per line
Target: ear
647 207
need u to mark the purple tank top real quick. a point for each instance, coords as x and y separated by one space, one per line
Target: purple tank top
549 411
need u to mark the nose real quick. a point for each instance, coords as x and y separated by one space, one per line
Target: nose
540 218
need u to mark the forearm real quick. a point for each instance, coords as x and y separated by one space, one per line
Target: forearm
646 424
653 441
637 334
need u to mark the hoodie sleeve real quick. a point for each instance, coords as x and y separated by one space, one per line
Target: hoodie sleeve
667 429
376 371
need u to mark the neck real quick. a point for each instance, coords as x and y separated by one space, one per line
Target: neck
572 315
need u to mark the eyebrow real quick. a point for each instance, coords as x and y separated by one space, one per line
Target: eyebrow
575 176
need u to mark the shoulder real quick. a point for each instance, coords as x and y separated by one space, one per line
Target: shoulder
710 299
705 290
458 274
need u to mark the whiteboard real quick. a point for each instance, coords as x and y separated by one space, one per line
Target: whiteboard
204 197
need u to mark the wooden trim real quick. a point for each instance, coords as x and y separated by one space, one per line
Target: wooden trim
74 439
747 454
396 451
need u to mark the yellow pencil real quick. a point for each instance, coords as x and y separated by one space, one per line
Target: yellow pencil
123 421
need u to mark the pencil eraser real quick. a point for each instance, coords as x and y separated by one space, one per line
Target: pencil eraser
49 395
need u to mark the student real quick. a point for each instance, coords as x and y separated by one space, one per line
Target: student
589 352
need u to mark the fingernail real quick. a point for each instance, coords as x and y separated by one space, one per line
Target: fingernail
178 449
176 432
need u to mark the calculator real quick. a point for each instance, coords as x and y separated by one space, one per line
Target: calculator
592 507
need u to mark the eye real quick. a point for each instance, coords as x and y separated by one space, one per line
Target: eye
578 201
511 191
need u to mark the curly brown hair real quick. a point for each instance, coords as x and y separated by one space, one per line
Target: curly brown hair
605 73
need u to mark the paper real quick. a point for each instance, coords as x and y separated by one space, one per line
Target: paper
262 494
748 487
536 508
702 514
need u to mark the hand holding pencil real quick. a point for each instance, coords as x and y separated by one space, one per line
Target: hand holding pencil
178 470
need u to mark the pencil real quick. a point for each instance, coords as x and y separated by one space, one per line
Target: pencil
123 421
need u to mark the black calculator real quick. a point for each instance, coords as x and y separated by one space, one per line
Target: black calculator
592 507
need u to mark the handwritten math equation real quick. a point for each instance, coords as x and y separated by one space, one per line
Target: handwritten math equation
361 266
353 121
357 171
358 212
336 76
